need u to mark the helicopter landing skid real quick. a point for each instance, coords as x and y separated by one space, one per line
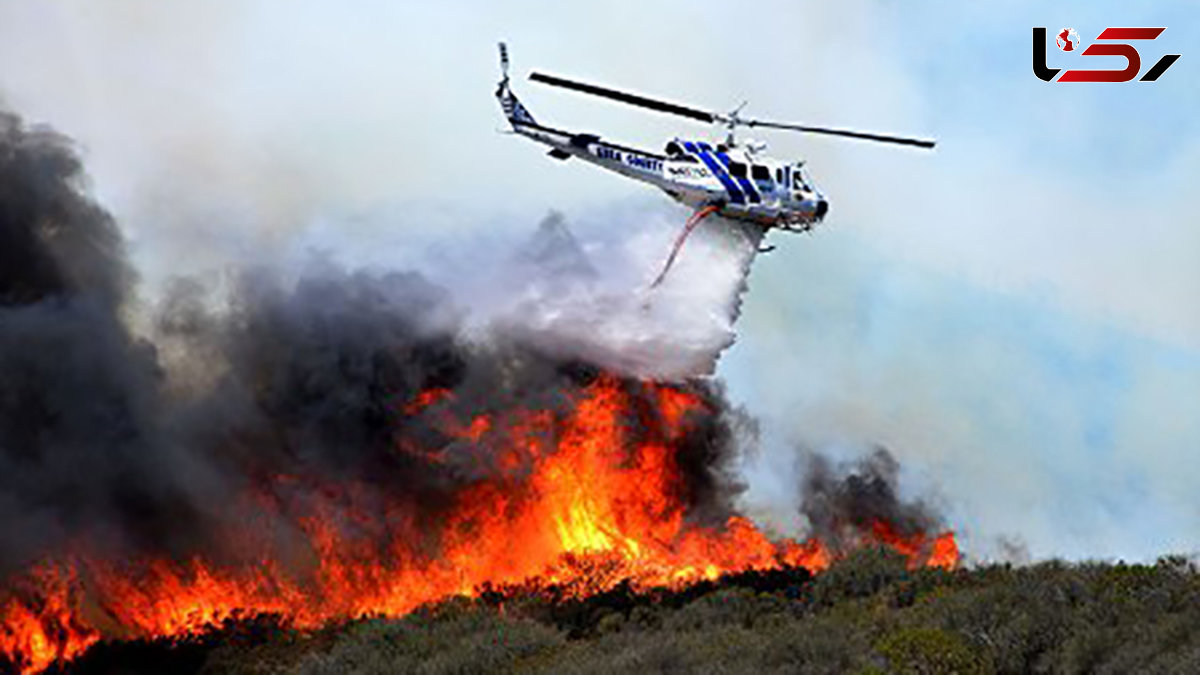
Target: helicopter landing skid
800 226
691 224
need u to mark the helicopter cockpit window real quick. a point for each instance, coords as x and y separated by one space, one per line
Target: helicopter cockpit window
779 176
676 153
798 181
760 172
737 169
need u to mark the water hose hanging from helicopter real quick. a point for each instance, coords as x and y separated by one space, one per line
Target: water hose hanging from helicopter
691 224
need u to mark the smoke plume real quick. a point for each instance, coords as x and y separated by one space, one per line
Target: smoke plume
842 503
613 319
81 438
124 444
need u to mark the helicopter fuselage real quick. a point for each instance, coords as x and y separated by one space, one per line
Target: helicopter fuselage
736 180
730 178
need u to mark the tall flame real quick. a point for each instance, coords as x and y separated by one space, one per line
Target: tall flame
570 489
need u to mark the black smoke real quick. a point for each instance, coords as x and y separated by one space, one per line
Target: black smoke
80 435
54 241
297 389
842 503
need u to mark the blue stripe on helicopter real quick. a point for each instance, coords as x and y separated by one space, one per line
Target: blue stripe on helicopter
747 186
735 195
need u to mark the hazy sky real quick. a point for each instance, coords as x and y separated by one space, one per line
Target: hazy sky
1014 315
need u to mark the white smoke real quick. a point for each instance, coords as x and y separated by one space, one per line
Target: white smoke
615 319
579 291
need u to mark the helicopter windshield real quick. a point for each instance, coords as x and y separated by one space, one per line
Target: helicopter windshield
800 179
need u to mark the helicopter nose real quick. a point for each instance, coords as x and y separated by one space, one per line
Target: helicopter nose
822 208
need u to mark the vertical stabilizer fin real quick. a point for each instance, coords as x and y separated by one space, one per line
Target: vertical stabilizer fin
516 113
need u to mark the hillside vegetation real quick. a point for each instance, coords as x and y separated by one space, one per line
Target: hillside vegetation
867 614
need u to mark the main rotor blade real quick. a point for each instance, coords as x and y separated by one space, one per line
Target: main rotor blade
919 142
632 99
703 116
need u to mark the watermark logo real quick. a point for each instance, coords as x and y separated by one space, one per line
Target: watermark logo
1110 42
1068 39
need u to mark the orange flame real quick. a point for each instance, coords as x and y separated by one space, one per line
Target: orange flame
575 490
36 634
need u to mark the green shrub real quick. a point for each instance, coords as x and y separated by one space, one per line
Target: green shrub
861 574
928 651
729 607
480 641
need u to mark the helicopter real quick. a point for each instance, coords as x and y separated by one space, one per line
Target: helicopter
729 178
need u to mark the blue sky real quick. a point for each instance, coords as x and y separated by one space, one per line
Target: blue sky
1014 315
